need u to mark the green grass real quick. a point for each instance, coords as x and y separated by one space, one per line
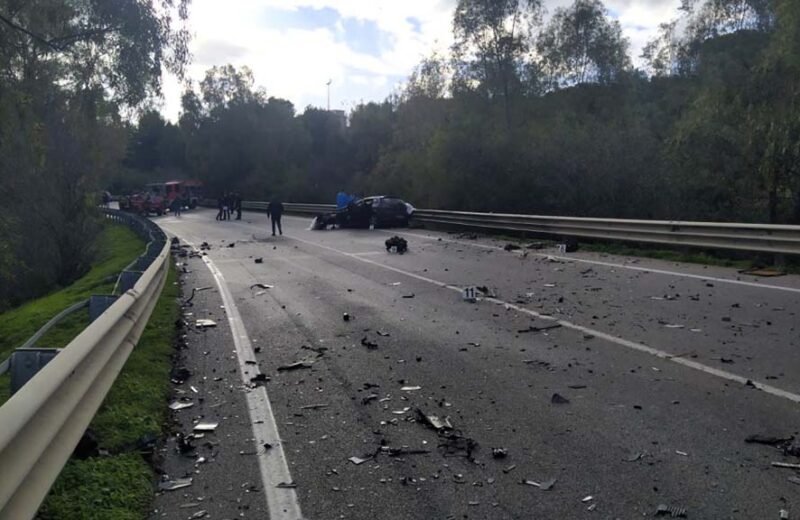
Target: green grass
117 247
101 488
120 486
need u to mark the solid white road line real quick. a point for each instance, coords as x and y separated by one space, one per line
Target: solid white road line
722 374
282 502
607 264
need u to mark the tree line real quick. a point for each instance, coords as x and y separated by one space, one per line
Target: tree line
530 114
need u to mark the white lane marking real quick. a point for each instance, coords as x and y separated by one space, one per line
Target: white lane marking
281 502
722 374
609 264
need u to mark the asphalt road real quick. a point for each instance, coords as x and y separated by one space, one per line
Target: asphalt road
664 370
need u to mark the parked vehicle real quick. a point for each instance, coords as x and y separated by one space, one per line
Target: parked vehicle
187 193
368 212
143 204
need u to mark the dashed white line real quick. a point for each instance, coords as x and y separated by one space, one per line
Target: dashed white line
282 502
722 374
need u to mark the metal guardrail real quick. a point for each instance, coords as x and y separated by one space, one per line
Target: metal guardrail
42 423
763 238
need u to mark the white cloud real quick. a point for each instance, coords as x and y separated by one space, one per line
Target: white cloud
296 63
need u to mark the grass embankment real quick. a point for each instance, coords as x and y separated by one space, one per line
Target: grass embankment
119 486
117 246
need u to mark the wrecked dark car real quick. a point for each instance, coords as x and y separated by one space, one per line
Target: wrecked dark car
368 212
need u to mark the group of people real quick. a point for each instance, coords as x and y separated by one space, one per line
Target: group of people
228 203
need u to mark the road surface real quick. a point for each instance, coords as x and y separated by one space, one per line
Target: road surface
614 385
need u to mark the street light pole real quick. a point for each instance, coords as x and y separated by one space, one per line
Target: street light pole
329 94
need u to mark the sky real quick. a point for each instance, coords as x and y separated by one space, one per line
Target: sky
367 48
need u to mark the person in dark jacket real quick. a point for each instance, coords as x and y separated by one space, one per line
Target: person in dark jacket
237 203
274 212
221 206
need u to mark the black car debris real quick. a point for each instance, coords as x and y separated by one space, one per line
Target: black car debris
368 212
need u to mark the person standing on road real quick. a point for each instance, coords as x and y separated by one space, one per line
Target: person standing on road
274 212
238 204
221 207
176 207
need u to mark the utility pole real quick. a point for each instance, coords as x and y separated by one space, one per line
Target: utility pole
329 94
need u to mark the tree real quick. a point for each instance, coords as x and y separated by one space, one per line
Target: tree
66 70
429 79
491 39
581 44
677 45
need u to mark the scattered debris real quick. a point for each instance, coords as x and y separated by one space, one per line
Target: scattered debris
681 453
172 485
397 244
408 296
205 323
539 329
398 452
510 468
206 426
434 421
410 388
382 334
401 412
359 460
499 453
200 514
286 485
769 440
180 405
785 465
261 286
232 244
259 260
634 457
314 406
784 514
559 399
180 375
294 366
345 316
369 344
511 247
369 398
454 444
794 480
674 512
259 378
587 498
547 485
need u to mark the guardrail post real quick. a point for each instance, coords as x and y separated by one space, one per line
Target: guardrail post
26 363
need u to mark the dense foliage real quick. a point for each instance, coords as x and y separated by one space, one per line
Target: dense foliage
532 113
67 71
